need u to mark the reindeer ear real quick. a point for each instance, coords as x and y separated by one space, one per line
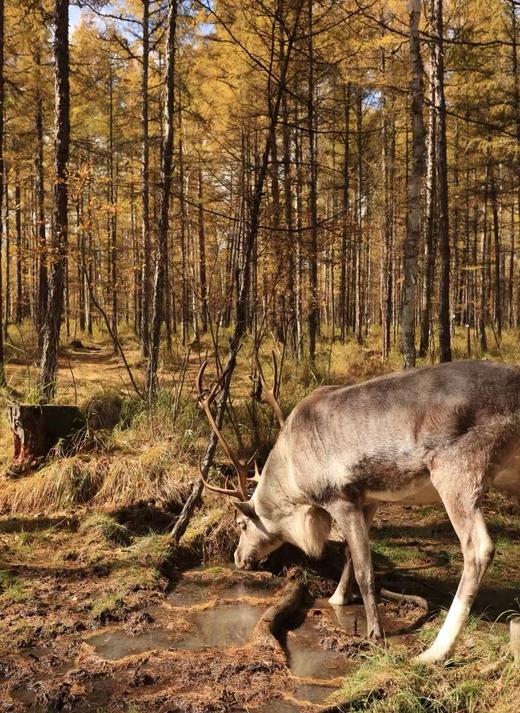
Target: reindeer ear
245 508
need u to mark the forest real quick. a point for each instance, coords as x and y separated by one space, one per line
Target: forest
278 196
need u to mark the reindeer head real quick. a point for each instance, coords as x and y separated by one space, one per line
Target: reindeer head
259 534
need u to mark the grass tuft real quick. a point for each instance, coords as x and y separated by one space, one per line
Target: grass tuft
12 588
109 608
100 526
103 410
151 551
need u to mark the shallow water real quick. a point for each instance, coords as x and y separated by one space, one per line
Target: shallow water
229 624
313 693
117 644
217 627
276 706
221 626
306 656
308 659
189 592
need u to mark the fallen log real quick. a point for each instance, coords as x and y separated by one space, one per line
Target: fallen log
275 618
37 429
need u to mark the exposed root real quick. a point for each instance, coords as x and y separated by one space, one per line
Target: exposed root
411 598
271 622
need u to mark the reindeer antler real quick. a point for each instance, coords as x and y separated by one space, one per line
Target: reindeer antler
205 399
267 395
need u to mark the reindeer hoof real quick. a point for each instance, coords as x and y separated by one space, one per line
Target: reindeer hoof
430 657
338 600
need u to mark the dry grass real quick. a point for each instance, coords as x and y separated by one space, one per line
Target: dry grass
153 477
63 484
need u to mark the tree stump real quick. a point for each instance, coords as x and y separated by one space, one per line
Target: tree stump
515 639
37 429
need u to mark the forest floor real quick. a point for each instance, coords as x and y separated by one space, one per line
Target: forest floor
99 614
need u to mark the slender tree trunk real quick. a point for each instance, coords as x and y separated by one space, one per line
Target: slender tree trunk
498 271
185 311
2 373
166 181
314 309
288 179
145 191
442 177
40 210
112 205
51 330
7 223
483 273
359 208
430 241
19 310
345 222
415 185
202 258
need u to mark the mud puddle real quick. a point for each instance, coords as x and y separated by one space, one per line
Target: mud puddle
193 649
215 627
201 586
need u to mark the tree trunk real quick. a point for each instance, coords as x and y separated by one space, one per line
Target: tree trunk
7 223
36 429
19 309
40 209
288 178
166 181
430 242
112 205
442 177
51 330
202 258
145 192
358 315
314 309
2 374
413 222
496 236
345 222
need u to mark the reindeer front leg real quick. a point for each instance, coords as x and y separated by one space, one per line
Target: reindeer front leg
341 595
352 524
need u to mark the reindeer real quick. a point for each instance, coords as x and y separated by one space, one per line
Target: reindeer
444 433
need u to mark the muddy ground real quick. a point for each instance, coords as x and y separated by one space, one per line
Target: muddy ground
90 623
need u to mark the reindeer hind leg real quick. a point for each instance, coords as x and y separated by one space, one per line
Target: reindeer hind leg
461 492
